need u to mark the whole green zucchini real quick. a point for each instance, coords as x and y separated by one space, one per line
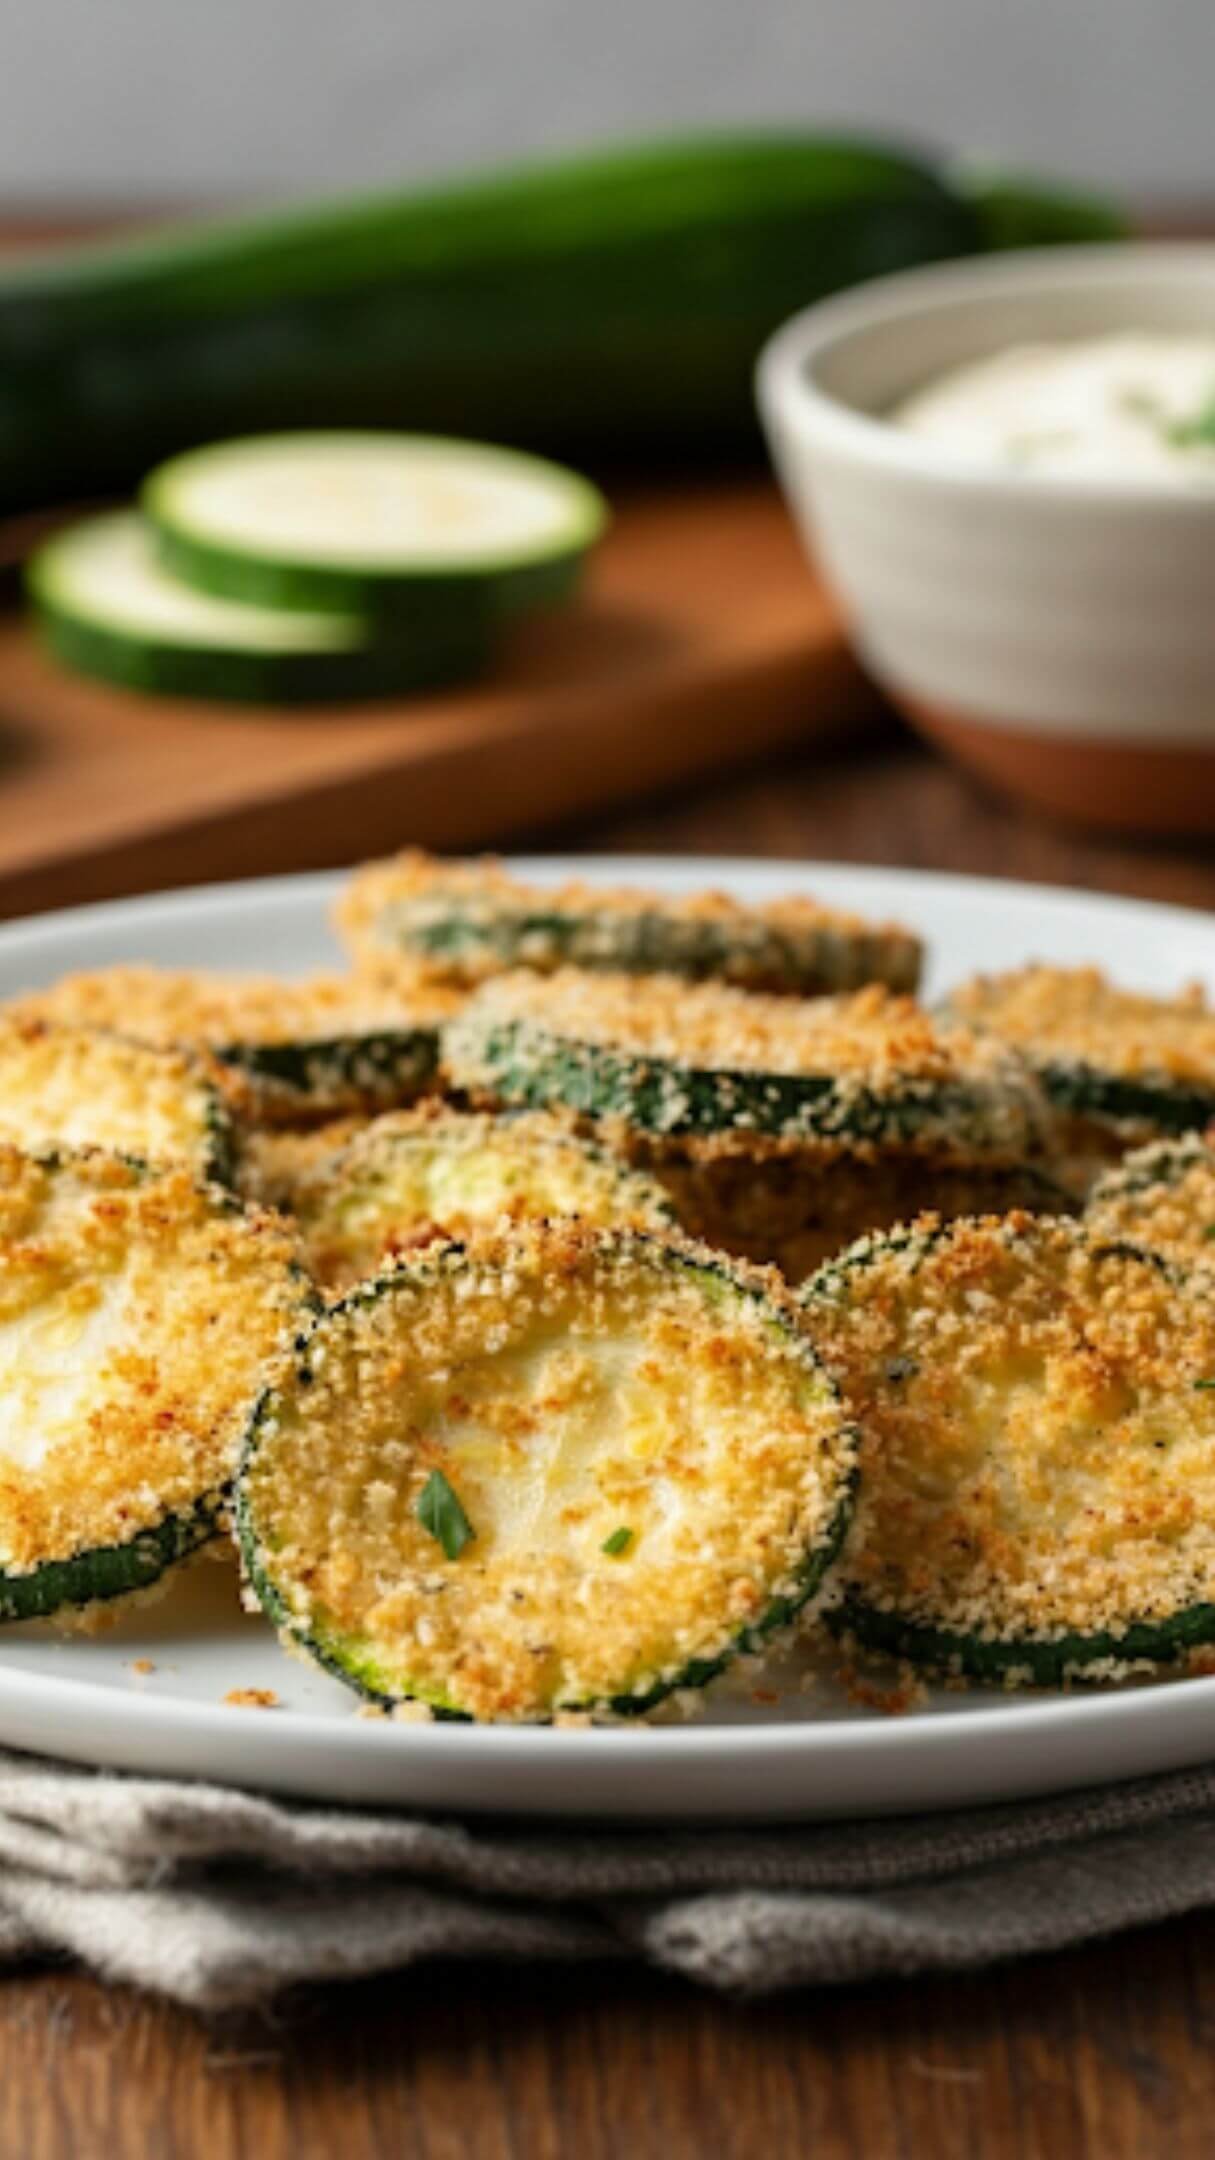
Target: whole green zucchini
606 304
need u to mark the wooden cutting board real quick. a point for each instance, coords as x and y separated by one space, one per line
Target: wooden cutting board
702 641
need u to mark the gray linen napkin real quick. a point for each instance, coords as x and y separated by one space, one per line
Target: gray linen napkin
219 1898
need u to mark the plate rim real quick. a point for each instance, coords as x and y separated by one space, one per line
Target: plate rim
888 1739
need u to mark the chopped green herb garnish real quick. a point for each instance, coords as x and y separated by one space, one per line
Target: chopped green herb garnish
440 1512
618 1542
1204 1384
1209 1232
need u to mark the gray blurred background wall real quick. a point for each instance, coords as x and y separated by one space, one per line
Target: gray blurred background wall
169 100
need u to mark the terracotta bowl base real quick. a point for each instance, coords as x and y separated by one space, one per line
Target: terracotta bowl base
1132 787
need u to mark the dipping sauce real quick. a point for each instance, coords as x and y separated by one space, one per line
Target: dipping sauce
1134 405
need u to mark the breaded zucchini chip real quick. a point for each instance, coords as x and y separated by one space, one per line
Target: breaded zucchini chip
574 1469
141 1313
662 1059
86 1087
435 1172
321 1047
1162 1196
1119 1067
1039 1456
460 922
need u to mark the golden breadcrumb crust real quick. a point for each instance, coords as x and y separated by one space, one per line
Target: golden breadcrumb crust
1162 1196
1078 1014
382 899
1039 1451
567 1383
205 1295
793 1207
432 1172
84 1087
194 1007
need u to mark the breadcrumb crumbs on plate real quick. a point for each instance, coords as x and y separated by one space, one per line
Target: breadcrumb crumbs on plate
252 1698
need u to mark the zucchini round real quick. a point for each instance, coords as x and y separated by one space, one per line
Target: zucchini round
435 1172
1162 1196
108 608
666 1059
432 1505
1039 1460
422 530
1133 1064
460 922
84 1087
325 1046
141 1314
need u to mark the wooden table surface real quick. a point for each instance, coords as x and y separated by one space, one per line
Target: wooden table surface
1107 2053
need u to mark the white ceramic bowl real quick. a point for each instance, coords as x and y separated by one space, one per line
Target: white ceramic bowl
1056 634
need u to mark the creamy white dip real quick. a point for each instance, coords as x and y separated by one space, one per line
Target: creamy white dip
1130 406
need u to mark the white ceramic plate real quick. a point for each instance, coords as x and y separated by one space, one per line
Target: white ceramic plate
813 1753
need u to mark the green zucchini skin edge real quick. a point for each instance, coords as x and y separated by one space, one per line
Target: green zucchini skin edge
222 674
779 1613
607 302
1087 1091
1048 1660
650 943
103 1572
447 608
394 1062
112 1571
536 1069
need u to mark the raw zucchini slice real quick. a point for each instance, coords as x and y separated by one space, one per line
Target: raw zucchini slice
1039 1459
82 1087
141 1314
1162 1196
1134 1064
434 1505
321 1047
108 607
419 529
435 1172
459 922
664 1058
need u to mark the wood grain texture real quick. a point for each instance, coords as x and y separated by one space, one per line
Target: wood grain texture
1102 2054
702 640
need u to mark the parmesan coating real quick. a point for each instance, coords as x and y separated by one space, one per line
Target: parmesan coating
139 1315
461 922
82 1087
324 1045
1076 1015
565 1384
1163 1196
868 1065
432 1172
195 1007
1039 1421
